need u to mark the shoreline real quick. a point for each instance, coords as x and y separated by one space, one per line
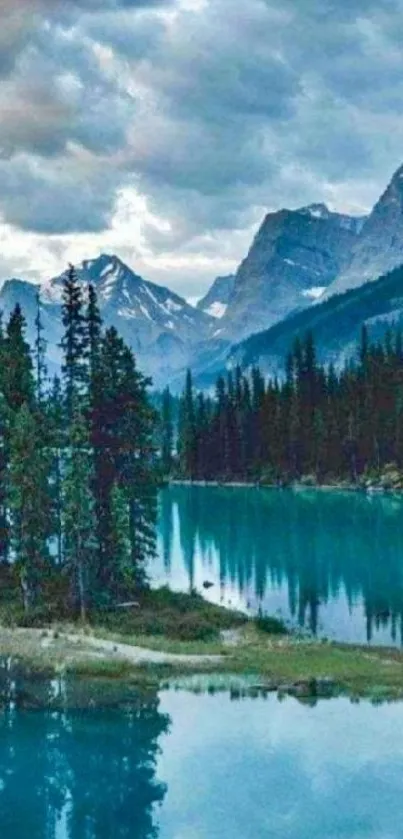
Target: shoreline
172 634
285 664
372 489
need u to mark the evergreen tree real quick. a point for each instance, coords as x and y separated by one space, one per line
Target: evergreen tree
79 522
58 443
121 540
29 503
40 353
167 432
93 323
17 380
188 440
123 432
4 462
74 366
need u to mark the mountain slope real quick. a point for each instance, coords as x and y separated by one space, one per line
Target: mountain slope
216 300
295 255
379 247
336 324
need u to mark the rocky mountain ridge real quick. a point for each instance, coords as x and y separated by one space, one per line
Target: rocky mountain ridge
379 247
294 257
298 260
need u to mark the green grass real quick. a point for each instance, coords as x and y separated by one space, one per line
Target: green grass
187 624
170 616
283 662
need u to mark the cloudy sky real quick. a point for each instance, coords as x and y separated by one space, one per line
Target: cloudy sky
163 130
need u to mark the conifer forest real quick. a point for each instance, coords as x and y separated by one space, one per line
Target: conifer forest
77 483
82 456
315 422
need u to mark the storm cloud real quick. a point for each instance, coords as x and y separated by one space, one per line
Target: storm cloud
212 111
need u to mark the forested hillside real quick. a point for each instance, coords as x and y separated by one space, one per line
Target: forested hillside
336 324
314 422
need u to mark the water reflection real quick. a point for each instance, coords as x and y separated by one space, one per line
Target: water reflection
77 772
72 768
263 768
330 562
180 765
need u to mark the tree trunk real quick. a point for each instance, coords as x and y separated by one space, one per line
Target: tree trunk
59 511
27 594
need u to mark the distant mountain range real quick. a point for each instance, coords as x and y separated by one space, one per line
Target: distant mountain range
308 268
160 326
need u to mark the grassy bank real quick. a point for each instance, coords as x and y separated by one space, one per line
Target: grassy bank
160 615
172 634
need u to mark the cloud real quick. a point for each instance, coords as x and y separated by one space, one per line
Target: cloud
75 195
212 111
234 98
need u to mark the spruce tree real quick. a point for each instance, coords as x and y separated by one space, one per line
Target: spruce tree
58 444
17 380
40 353
188 443
167 432
74 365
93 326
5 416
29 503
79 522
121 572
123 432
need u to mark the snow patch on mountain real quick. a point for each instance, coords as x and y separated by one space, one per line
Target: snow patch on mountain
216 300
315 292
217 309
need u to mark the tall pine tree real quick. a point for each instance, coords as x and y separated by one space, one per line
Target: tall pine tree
29 503
74 366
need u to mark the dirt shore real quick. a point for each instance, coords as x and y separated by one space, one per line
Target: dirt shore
68 648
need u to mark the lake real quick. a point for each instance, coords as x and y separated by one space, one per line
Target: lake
172 764
328 562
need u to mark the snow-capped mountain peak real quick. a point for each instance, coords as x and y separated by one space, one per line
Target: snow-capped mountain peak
160 326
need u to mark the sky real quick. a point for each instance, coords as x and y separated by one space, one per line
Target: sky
164 130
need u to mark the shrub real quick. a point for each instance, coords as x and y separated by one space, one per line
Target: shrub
270 625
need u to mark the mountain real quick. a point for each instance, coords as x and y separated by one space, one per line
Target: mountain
216 300
19 291
299 260
295 255
161 327
379 247
336 324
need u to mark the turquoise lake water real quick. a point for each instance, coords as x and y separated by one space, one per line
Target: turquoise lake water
175 765
330 563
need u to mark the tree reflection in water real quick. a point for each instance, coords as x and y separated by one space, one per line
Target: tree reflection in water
320 548
77 772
